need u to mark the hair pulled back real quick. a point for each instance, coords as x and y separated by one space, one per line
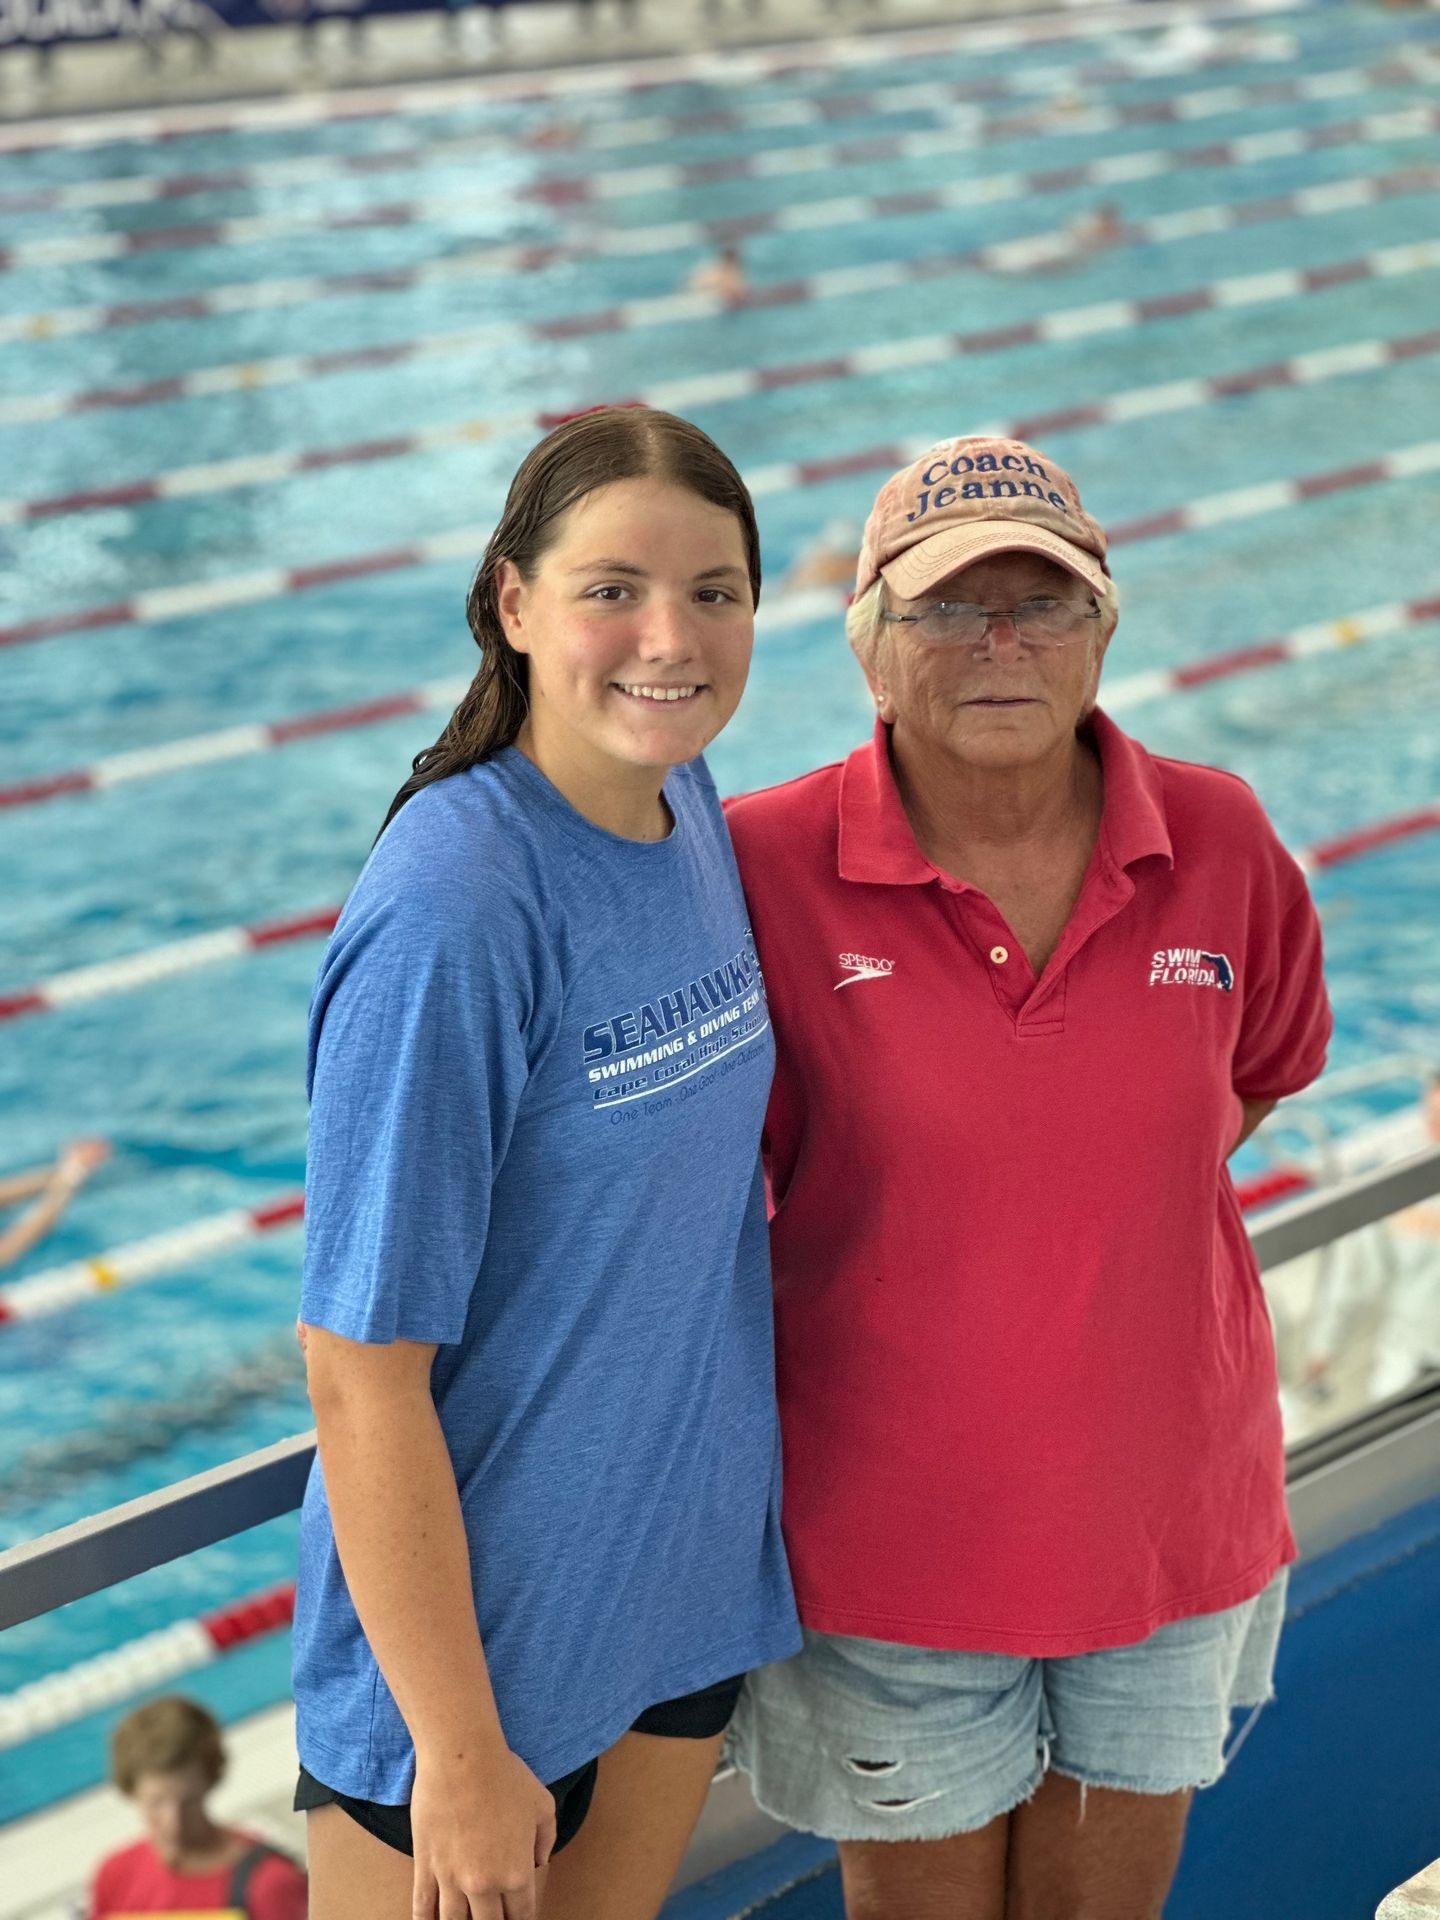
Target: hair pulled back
588 451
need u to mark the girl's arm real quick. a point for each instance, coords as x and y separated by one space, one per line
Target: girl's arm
481 1820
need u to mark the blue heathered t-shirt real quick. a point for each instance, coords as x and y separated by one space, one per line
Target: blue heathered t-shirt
539 1062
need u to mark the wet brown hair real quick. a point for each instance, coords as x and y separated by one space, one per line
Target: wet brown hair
162 1737
586 452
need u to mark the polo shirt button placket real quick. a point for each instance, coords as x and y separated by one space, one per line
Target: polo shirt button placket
1004 963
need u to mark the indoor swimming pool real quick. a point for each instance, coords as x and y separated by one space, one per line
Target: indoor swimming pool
263 386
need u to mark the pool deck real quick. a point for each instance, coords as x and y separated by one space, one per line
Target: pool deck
49 1856
261 62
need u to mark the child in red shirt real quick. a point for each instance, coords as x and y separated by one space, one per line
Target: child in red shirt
167 1757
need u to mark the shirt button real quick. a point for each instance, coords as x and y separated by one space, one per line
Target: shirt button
999 955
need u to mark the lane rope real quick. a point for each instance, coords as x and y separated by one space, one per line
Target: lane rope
162 604
1047 248
935 97
1321 636
1060 326
43 1292
721 68
800 110
139 1665
263 295
1340 634
1405 123
57 1288
587 189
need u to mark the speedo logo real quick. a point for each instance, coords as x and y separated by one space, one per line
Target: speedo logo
862 966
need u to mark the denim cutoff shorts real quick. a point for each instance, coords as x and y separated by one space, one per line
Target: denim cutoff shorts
861 1739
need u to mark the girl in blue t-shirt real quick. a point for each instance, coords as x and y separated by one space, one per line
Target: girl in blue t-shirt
541 1543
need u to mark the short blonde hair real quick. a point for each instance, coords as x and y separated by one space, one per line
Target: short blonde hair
862 619
162 1737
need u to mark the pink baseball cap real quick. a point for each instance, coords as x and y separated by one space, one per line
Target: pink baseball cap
973 496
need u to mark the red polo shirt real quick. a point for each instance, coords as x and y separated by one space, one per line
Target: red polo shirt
1027 1384
137 1881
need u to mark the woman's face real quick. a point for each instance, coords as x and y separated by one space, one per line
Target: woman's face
638 625
1011 706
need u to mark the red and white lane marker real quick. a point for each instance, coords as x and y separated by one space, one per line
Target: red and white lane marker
621 184
465 543
162 604
738 67
1009 256
263 295
231 743
801 110
62 1287
1270 496
59 1287
91 1685
1323 636
1126 691
1381 833
80 984
920 97
1063 324
61 990
1409 123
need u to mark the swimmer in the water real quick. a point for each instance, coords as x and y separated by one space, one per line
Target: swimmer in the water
828 561
723 276
52 1188
1093 231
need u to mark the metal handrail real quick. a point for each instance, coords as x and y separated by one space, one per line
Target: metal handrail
105 1548
1312 1222
108 1547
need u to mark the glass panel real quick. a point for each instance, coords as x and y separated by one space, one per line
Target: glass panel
1359 1320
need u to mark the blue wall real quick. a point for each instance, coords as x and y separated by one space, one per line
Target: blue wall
1335 1797
1333 1800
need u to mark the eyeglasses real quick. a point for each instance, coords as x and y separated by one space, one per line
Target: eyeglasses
956 623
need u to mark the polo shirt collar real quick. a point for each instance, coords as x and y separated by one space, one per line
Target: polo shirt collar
1133 822
877 842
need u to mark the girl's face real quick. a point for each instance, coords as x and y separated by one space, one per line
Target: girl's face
638 625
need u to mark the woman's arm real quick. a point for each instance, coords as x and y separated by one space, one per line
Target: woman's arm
481 1820
1255 1112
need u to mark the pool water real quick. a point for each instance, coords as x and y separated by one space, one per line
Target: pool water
199 1080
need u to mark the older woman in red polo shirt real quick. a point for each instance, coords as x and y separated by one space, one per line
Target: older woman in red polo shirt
1031 987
